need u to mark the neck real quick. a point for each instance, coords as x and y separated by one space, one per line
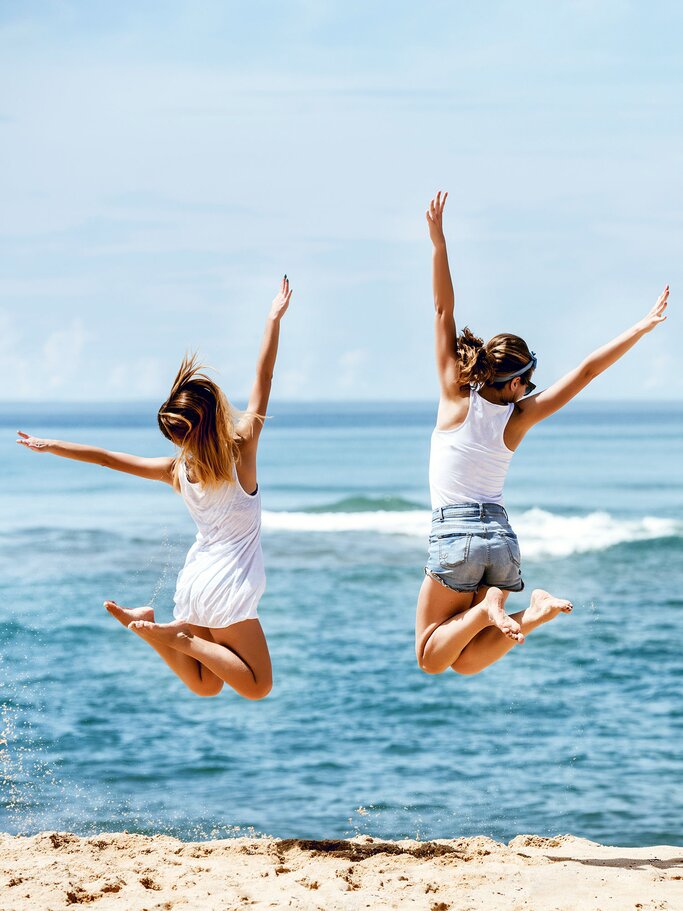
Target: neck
493 395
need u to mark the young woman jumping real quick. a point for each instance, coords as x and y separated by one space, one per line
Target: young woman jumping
216 637
485 411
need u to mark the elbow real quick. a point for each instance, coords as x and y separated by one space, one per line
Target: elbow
589 371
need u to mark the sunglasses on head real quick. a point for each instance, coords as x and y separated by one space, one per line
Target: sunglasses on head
530 367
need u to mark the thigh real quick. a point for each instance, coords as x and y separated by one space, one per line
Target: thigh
203 632
436 604
247 640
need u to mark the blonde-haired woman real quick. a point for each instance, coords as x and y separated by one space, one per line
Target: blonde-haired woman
216 636
485 410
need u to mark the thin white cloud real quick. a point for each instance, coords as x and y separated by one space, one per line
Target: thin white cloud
144 378
352 373
40 366
61 356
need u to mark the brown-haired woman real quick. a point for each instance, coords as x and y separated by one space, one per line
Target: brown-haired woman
485 410
216 637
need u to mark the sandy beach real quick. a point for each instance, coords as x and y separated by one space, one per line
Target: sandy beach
58 870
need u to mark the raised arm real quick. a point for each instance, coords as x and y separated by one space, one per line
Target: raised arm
537 407
250 426
153 469
447 363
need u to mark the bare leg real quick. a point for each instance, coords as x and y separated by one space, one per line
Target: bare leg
490 645
447 621
197 678
237 655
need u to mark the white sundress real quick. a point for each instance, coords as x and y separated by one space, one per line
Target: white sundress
223 578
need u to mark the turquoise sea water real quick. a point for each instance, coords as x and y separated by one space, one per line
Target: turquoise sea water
580 729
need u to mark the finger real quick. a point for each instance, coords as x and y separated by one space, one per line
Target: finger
21 433
443 201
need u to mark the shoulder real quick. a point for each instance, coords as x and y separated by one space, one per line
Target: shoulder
520 422
247 429
453 407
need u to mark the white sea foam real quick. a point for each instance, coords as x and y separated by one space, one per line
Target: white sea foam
541 533
545 534
414 522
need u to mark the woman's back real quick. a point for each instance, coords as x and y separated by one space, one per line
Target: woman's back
224 514
470 464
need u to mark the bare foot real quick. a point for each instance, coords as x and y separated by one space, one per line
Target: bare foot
545 607
504 622
126 615
174 634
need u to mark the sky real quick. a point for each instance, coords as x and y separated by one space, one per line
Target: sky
163 163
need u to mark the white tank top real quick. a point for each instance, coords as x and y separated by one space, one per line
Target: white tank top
225 515
469 464
223 577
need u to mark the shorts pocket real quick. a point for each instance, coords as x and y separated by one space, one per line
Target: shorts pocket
454 549
512 545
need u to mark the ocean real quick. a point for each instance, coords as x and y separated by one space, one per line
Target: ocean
578 730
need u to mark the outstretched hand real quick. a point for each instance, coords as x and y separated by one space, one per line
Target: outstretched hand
281 300
33 443
435 216
656 315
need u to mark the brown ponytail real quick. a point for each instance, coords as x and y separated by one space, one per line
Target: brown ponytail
476 367
479 362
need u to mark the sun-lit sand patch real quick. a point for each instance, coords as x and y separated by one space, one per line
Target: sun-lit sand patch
58 870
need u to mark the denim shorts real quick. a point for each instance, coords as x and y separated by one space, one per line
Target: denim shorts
471 545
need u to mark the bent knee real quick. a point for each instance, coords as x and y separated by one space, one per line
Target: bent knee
259 690
209 688
427 664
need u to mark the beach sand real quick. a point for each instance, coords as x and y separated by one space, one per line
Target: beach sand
57 870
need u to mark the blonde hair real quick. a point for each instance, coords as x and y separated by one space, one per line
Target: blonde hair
200 420
480 363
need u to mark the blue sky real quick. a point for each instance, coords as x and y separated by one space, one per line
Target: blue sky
164 163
